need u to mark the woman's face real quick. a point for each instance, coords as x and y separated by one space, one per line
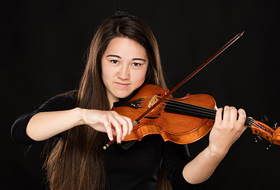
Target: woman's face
124 66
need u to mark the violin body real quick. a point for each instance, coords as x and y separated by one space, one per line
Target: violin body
180 120
176 127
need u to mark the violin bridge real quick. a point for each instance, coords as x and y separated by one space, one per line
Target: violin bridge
153 101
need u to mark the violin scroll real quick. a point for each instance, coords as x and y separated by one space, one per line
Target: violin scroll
276 136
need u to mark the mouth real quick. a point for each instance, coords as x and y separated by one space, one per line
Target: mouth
122 85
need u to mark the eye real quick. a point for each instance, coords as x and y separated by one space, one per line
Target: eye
114 61
136 64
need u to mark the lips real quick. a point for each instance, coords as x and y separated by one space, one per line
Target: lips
122 85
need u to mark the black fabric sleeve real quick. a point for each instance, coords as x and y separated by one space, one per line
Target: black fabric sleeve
57 103
175 157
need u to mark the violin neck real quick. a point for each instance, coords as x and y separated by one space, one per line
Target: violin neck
174 106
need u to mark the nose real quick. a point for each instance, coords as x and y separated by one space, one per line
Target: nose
124 72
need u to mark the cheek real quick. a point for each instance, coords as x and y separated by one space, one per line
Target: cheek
105 73
140 77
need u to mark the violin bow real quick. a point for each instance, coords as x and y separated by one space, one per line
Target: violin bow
137 121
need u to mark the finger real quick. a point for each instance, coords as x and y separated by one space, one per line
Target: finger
226 114
242 115
109 130
125 127
218 117
130 125
117 127
242 119
123 122
233 114
109 123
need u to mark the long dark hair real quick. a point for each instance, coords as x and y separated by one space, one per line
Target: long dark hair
76 161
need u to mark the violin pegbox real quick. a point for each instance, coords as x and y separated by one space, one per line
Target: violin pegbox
263 131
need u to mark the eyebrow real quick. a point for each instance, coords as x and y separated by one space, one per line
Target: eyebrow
114 56
111 55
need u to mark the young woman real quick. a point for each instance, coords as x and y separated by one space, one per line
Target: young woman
123 56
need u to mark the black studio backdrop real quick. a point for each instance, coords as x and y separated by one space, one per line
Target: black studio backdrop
43 51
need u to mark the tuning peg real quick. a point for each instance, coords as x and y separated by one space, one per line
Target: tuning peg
258 137
269 145
275 125
264 119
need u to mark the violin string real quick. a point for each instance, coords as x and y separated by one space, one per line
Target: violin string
200 111
187 108
205 112
209 113
261 127
191 109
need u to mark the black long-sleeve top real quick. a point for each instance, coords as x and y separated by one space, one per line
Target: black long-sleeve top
136 168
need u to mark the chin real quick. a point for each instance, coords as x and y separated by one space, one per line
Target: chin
122 95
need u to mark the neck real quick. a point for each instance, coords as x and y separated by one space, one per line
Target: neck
111 99
173 106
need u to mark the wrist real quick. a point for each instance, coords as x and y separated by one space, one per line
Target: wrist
216 152
79 112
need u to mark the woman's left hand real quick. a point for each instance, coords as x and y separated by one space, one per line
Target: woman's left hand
227 129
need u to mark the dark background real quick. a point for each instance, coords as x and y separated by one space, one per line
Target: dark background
43 52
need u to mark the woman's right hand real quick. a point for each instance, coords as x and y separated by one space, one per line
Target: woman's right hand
109 122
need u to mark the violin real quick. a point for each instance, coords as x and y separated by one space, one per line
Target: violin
180 120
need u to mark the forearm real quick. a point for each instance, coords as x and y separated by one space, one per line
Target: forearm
45 125
225 132
202 166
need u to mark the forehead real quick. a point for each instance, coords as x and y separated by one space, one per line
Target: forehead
124 46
